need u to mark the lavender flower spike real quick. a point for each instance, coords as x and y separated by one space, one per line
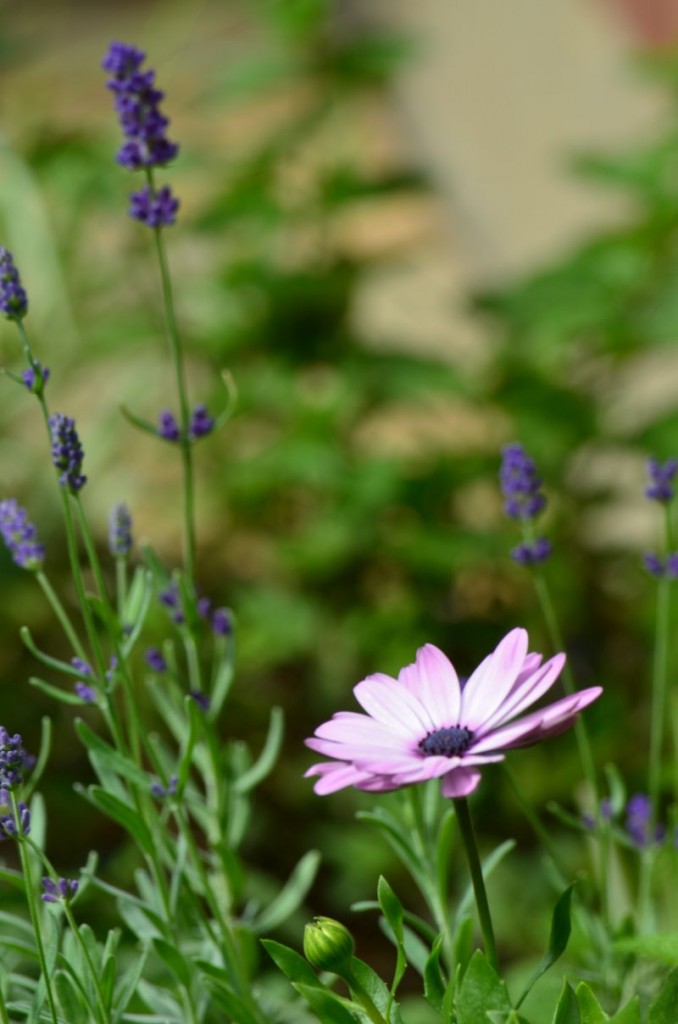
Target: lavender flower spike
520 483
67 453
201 422
120 531
425 725
61 891
13 759
20 536
661 479
13 298
156 209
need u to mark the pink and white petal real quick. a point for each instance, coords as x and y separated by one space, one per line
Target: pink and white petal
529 689
380 765
460 782
356 751
494 678
378 784
539 724
428 768
393 705
437 685
360 728
335 776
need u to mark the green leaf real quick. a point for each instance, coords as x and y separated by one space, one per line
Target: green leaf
434 983
65 696
268 756
107 979
663 1009
125 815
329 1007
394 914
128 984
561 927
70 1000
375 988
629 1014
567 1010
293 966
110 757
481 989
291 895
660 946
175 960
590 1010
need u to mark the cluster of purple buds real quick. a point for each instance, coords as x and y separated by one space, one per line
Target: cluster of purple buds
20 536
171 599
220 619
523 499
61 891
12 828
662 568
201 699
137 103
201 424
85 692
13 759
67 453
638 815
661 479
35 378
120 531
157 788
13 298
155 660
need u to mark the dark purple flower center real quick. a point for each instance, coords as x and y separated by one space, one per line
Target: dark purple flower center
449 742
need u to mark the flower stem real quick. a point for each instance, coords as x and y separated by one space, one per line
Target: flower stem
363 998
32 909
61 614
469 840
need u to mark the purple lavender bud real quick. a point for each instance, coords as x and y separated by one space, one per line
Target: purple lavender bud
532 554
201 699
201 423
20 537
11 828
60 891
661 479
221 622
112 668
67 453
35 378
653 564
520 483
86 693
606 809
204 607
672 566
81 666
13 760
137 105
154 659
168 428
157 789
120 531
13 298
638 812
156 210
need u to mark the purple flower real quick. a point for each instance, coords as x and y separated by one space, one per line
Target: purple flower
424 725
13 298
661 479
520 483
666 568
35 378
204 607
120 531
168 428
221 622
81 666
155 660
171 599
201 699
67 453
11 828
86 693
638 815
20 536
156 209
532 553
13 759
201 423
137 103
60 891
157 788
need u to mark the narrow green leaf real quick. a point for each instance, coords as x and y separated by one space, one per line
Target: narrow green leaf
489 864
268 756
125 815
663 1009
292 965
175 960
463 944
629 1014
561 927
660 946
567 1010
590 1010
329 1007
107 979
394 914
290 896
112 758
43 757
434 983
481 989
70 1000
128 984
65 696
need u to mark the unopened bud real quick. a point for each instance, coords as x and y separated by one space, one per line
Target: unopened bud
328 946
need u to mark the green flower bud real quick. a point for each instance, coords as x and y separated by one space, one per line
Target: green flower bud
328 946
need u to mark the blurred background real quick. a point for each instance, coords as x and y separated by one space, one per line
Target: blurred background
413 233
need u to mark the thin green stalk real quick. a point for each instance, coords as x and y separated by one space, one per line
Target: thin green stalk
61 614
435 897
180 378
4 1018
121 587
33 910
92 556
469 840
104 1014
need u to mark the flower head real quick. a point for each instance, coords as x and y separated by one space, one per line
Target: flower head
35 378
67 453
425 725
201 422
168 428
155 208
13 298
13 759
221 622
532 553
120 531
155 659
61 891
12 826
86 693
20 536
661 476
137 103
520 483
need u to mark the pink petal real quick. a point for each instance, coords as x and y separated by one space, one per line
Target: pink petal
540 724
460 782
489 685
392 704
436 684
529 688
335 776
349 728
357 751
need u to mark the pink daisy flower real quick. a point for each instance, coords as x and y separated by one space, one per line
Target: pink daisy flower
426 725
